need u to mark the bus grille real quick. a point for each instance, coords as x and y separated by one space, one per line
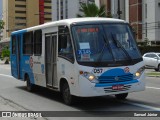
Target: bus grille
115 79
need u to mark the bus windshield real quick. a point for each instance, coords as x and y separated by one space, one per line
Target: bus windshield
105 43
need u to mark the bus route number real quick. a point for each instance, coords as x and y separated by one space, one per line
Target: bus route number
97 70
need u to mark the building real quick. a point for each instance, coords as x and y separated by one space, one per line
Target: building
20 14
107 4
143 16
114 8
45 11
151 21
64 9
0 9
97 2
135 17
1 18
129 10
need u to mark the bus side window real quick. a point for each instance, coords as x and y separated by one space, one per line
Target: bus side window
28 43
38 42
65 46
14 45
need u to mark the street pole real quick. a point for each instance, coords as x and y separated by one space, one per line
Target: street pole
119 12
146 28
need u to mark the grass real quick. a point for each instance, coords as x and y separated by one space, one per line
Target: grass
153 74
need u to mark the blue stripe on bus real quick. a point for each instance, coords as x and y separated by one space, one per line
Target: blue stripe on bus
27 69
112 84
25 66
18 32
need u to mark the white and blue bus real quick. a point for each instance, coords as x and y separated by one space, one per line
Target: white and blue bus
83 57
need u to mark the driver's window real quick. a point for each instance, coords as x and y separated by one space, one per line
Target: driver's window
65 48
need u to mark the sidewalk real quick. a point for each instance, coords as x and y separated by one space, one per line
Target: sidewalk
2 63
9 106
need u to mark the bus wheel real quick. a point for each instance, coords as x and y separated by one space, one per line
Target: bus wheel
30 86
67 97
121 96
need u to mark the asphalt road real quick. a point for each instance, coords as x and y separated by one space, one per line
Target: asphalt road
15 95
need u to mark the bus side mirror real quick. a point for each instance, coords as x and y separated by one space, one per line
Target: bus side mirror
63 39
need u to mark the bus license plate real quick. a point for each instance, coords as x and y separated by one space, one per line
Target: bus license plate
117 87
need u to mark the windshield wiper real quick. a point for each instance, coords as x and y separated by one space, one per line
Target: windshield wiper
118 44
102 51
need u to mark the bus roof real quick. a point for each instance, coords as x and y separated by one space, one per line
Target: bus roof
68 22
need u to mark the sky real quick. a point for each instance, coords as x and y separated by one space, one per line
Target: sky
0 9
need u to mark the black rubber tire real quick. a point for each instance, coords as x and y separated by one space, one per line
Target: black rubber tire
30 86
121 96
158 68
67 97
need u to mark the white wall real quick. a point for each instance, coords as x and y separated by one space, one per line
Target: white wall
73 8
157 19
127 10
97 2
114 8
1 13
151 17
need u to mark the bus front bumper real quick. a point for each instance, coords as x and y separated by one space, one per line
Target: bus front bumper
88 89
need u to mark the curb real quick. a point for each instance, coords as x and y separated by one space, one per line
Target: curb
4 64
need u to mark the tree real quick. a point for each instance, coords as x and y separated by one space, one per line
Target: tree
91 10
1 24
6 54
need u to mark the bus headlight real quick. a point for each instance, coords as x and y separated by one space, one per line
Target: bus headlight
92 78
139 72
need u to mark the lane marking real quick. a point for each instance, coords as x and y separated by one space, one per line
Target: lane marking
6 75
143 106
153 88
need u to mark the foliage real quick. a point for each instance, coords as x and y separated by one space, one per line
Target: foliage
145 49
1 24
91 10
5 52
153 74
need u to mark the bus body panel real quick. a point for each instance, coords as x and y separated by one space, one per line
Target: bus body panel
68 71
27 67
38 70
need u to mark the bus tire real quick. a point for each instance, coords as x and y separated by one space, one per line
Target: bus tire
121 96
30 86
67 97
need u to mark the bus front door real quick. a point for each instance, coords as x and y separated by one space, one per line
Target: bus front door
50 59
